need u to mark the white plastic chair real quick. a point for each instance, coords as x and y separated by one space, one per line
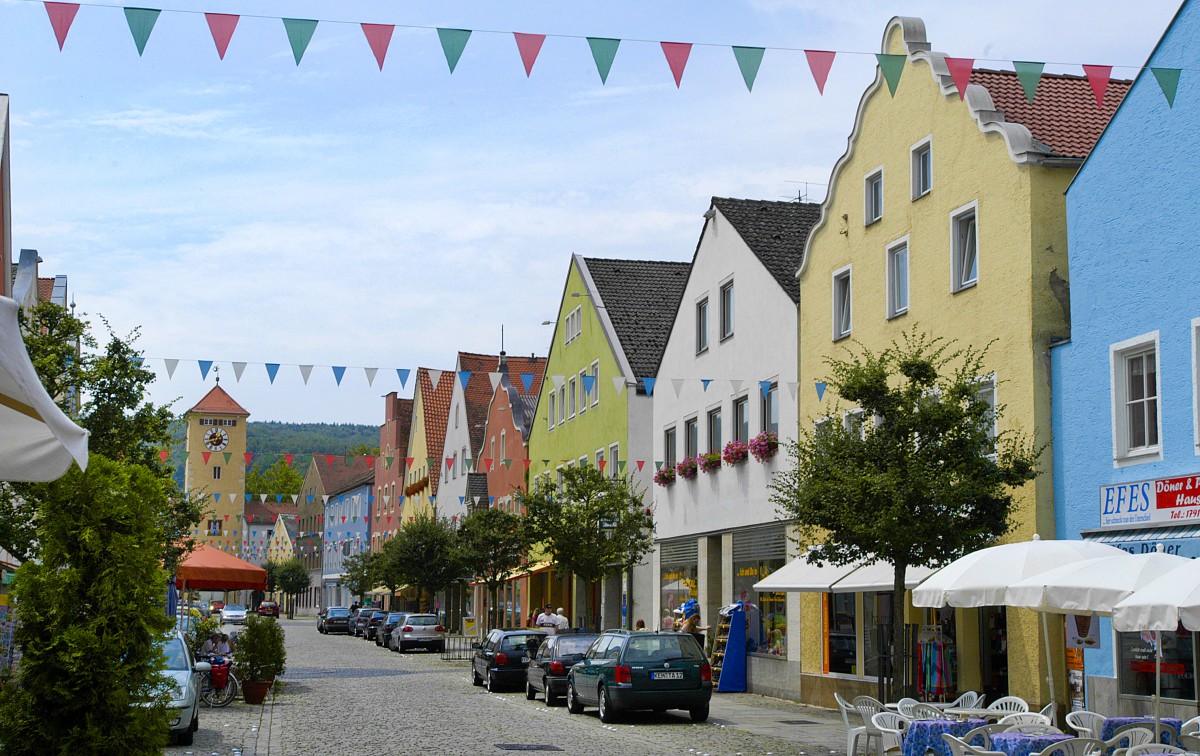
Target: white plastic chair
1128 736
959 747
1146 733
1190 727
968 700
1024 717
893 726
983 734
925 711
868 707
1137 750
1050 711
853 733
1073 747
1088 724
1034 728
1189 742
1010 704
905 706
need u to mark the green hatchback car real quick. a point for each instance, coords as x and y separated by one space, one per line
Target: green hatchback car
625 670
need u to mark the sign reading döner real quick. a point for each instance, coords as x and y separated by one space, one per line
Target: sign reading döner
1165 500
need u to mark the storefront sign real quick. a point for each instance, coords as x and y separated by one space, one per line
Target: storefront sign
1163 500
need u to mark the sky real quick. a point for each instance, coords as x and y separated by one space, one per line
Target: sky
332 214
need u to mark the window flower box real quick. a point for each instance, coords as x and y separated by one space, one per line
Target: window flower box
686 468
735 452
709 462
764 446
665 475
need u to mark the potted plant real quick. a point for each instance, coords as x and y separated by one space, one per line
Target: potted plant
735 452
665 475
686 468
764 446
260 656
709 461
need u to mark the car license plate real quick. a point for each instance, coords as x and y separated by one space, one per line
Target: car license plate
666 675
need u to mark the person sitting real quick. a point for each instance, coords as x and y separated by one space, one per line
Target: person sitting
209 647
224 646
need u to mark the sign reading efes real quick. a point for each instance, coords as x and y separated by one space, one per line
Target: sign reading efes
1163 500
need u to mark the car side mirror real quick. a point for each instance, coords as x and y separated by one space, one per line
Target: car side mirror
202 667
476 646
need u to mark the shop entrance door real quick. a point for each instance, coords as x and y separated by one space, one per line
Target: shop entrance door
993 651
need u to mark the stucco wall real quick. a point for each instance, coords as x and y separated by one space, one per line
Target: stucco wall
453 483
418 449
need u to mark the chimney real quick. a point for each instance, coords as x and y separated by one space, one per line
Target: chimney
502 365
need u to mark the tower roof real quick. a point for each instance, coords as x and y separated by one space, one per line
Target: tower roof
217 402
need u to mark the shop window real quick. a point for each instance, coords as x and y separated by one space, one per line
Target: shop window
842 652
877 629
768 630
1135 664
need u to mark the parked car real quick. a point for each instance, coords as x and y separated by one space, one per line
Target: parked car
501 658
358 623
268 609
384 633
374 620
547 671
184 672
335 619
215 607
234 614
625 670
421 631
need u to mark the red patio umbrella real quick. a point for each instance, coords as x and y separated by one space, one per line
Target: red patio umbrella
209 569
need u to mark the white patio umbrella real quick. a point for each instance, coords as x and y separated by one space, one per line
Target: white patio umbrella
1162 603
37 441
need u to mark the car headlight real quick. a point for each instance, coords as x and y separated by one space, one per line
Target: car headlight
178 693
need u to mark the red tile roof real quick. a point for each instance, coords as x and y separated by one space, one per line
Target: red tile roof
339 477
435 408
258 511
1063 115
479 392
217 402
45 289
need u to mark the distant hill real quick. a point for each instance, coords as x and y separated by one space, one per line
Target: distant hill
268 441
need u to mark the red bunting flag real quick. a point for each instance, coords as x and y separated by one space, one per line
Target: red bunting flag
449 463
288 459
389 519
960 71
602 463
367 518
329 459
62 15
162 455
819 62
227 520
370 460
677 57
248 456
379 36
1098 77
206 455
529 45
221 25
641 463
527 461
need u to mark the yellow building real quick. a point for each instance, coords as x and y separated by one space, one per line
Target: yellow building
946 215
215 467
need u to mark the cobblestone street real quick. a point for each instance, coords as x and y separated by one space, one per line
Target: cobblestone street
341 692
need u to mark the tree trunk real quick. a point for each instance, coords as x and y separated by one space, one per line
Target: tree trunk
898 650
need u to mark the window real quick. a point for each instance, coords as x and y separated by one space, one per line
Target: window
1135 664
552 416
727 310
897 279
842 310
741 419
562 403
702 325
614 459
571 396
216 473
1135 397
466 461
965 242
987 393
842 654
573 326
595 383
669 447
714 430
454 466
922 168
691 438
503 448
854 422
583 394
492 449
873 197
457 412
770 409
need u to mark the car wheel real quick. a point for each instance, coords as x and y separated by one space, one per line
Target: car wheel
184 738
491 683
476 680
699 713
608 714
551 699
530 691
573 705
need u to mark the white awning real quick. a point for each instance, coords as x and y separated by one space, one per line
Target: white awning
800 575
879 576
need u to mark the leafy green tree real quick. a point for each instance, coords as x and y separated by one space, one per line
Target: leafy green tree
387 568
360 572
362 449
272 568
424 555
928 481
279 478
89 612
597 526
291 577
491 544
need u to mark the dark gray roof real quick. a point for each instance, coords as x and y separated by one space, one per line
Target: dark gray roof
641 297
775 231
477 486
528 404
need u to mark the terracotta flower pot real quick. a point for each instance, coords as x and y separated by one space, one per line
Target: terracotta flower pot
255 691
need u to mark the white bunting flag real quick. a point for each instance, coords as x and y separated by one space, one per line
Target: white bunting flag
677 383
238 367
793 387
495 377
558 381
305 372
618 384
737 386
171 365
370 375
436 377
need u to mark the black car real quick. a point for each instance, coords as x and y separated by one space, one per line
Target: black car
502 657
547 671
374 620
335 619
358 623
386 627
626 670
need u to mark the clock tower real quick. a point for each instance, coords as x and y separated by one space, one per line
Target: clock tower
215 468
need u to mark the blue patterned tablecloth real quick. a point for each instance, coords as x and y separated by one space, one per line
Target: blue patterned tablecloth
926 735
1110 726
1023 744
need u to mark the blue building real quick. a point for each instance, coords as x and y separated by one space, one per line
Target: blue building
1126 413
347 532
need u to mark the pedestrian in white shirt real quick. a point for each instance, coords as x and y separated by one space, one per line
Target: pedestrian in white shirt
561 622
545 619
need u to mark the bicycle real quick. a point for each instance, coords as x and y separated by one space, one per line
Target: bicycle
220 686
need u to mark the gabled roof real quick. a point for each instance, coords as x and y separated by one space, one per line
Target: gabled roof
435 409
477 487
1063 115
217 402
364 478
339 477
775 232
478 393
640 298
45 288
258 511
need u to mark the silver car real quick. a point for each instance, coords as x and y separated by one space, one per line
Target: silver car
234 614
183 672
420 631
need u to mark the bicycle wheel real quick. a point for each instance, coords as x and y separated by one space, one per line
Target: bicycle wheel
204 686
225 696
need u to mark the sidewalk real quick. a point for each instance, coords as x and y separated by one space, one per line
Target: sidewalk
779 718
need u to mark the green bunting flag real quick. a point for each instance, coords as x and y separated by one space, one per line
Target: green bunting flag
1168 82
749 59
300 33
228 456
141 23
1030 73
604 50
892 67
454 41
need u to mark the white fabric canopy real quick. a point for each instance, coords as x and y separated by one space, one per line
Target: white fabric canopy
1092 585
37 441
1163 603
799 575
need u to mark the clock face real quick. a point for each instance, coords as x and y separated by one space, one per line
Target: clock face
216 439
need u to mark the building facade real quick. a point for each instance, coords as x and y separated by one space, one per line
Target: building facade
215 467
347 533
389 468
325 473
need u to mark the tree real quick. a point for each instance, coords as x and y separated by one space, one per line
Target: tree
491 544
360 572
387 568
272 568
928 481
597 526
279 478
89 612
423 555
291 577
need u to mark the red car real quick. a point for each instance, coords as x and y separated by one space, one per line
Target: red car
268 609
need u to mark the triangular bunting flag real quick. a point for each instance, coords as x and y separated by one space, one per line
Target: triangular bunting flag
206 455
305 372
1098 77
507 462
892 66
370 464
454 41
329 460
402 374
248 497
171 365
618 384
238 369
217 499
464 377
431 462
640 464
163 454
247 457
62 15
435 376
677 57
588 382
338 372
287 458
749 59
379 36
295 498
604 51
529 45
221 25
820 391
1029 73
1168 82
677 384
621 465
449 463
819 62
558 381
300 33
527 381
141 23
408 461
658 464
648 384
601 464
462 500
228 456
495 379
370 372
764 387
185 455
736 385
272 370
527 463
205 366
705 382
960 72
310 501
793 387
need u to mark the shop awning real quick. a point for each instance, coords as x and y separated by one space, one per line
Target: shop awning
800 575
1138 535
383 591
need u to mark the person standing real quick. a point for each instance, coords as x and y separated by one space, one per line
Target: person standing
546 618
560 621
